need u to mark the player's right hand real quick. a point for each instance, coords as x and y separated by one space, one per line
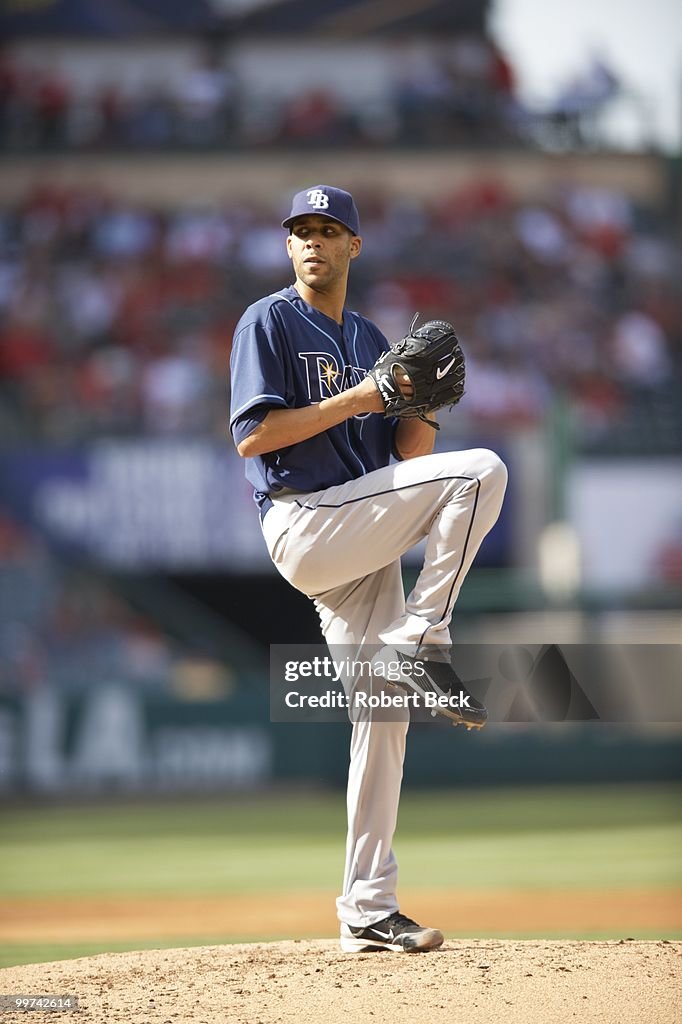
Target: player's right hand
368 390
368 396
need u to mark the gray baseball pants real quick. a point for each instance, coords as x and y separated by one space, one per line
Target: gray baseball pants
341 546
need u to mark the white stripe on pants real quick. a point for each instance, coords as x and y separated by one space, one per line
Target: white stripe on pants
341 546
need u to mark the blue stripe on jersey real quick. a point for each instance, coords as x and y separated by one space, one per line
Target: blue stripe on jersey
257 400
287 353
355 335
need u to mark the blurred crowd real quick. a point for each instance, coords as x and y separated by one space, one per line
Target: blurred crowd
68 626
462 93
68 629
116 319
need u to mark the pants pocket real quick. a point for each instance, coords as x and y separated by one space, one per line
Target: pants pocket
279 548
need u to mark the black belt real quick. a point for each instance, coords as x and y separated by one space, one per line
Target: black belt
267 501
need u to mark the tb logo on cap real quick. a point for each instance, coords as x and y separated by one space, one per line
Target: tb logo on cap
318 199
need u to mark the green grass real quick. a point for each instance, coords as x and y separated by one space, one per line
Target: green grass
636 855
598 837
434 812
569 837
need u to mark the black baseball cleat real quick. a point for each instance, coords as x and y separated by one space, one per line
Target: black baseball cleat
396 932
440 689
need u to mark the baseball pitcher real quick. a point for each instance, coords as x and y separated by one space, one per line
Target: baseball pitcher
337 429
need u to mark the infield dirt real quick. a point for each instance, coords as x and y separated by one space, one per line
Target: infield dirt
256 916
480 982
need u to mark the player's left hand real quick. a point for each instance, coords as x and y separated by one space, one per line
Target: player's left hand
405 385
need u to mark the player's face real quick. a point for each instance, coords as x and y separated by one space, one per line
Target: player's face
321 250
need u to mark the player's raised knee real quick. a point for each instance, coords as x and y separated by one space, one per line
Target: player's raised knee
491 469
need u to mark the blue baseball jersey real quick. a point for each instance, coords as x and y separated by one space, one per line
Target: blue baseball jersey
287 354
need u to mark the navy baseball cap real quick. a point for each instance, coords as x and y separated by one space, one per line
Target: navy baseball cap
330 202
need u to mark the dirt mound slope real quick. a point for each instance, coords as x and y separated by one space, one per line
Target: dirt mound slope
486 981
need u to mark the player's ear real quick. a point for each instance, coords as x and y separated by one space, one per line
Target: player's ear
355 246
289 245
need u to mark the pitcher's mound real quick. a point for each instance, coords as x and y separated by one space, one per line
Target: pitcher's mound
480 982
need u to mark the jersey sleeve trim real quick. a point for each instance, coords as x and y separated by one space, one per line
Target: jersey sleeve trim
256 400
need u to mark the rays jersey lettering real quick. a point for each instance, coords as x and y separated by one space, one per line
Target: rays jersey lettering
326 378
286 355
